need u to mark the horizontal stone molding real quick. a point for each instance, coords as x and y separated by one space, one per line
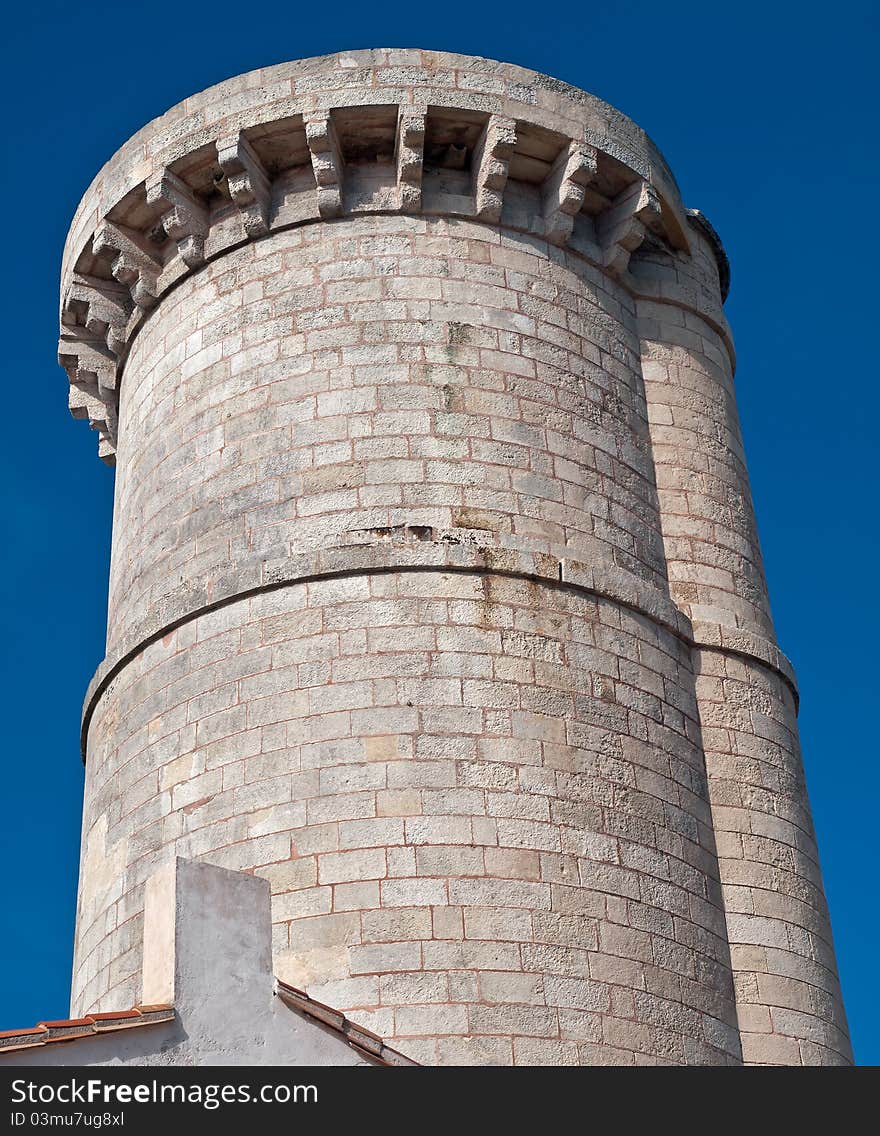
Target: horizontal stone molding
413 553
599 578
748 645
688 298
426 146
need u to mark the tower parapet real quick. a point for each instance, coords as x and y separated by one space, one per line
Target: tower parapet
316 142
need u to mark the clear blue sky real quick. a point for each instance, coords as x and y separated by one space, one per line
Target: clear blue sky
766 114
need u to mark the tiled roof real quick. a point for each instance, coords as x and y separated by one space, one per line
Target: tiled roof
45 1033
358 1037
69 1029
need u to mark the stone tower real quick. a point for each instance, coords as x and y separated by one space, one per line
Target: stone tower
435 594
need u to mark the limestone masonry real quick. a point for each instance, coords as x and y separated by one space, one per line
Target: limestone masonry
436 598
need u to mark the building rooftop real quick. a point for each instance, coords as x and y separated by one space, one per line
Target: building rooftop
70 1029
230 1011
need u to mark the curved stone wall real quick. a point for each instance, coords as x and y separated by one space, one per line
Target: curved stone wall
789 1001
435 588
337 382
478 799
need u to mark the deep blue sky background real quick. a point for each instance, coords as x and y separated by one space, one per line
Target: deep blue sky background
766 114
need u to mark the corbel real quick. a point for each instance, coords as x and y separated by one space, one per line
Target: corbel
186 222
409 159
327 163
249 184
564 189
623 227
490 164
133 265
101 306
91 370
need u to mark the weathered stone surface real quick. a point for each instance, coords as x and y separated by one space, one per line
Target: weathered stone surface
292 157
435 591
777 919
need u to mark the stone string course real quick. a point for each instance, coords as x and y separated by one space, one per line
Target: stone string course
406 551
436 597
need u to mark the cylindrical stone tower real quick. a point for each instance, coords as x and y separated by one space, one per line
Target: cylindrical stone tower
435 593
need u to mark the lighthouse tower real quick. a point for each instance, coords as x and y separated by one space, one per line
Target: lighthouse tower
435 597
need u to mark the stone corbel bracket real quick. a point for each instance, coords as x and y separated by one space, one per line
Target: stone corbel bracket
409 159
622 228
290 168
564 189
490 167
91 370
327 164
100 306
132 262
186 222
249 184
94 321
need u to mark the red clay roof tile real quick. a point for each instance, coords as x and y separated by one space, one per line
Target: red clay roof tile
22 1032
68 1029
46 1033
118 1016
357 1036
